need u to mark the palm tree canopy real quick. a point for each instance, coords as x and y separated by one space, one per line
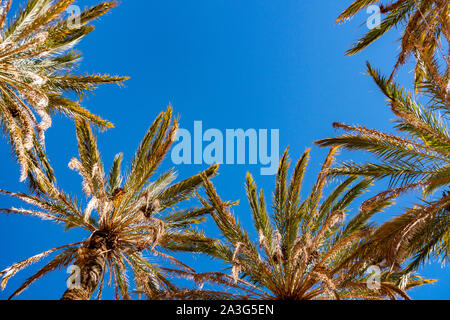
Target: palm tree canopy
424 23
135 216
37 63
305 248
417 158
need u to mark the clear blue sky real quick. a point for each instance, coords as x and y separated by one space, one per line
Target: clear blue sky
260 64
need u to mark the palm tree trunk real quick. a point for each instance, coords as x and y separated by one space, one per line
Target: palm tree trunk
91 261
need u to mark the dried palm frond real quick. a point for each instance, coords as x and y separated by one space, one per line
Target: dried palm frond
424 23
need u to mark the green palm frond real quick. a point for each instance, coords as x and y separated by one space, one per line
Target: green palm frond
418 157
423 155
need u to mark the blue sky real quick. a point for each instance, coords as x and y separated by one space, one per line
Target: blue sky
231 64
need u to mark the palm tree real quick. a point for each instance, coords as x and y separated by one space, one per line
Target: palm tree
425 26
305 249
37 63
127 219
419 159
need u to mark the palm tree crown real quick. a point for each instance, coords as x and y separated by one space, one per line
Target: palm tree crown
419 159
36 70
305 248
125 217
